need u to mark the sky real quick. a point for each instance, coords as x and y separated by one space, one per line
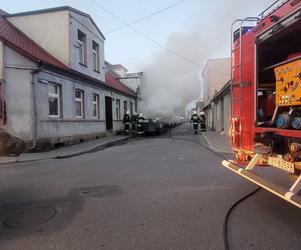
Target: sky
125 46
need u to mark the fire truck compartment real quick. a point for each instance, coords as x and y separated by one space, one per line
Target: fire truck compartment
278 63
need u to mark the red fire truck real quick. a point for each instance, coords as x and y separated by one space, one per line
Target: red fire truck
266 97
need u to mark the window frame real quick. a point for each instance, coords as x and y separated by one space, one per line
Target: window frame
81 101
118 114
95 104
82 48
131 108
57 96
125 107
96 59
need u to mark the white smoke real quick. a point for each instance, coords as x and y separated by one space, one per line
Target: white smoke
171 82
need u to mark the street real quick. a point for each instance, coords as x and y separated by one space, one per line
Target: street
150 193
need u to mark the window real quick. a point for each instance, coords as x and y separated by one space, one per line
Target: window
82 47
95 51
79 103
54 100
131 108
117 108
125 107
95 103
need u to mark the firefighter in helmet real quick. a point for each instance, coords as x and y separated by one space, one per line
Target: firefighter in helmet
203 121
140 124
195 119
134 120
126 122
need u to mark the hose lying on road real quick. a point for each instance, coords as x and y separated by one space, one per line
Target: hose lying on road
225 225
229 211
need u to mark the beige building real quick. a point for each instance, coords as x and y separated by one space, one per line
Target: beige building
215 74
217 99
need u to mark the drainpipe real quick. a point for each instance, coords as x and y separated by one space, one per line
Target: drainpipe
34 109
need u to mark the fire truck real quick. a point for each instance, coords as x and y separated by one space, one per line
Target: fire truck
266 98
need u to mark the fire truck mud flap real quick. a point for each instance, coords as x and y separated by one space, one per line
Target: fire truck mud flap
290 196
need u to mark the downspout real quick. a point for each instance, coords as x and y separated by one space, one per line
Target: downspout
34 109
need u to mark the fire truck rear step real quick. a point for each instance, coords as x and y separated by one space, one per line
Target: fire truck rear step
290 195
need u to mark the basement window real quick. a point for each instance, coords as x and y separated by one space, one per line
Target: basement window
82 47
54 100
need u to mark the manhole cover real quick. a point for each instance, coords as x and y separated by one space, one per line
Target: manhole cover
29 217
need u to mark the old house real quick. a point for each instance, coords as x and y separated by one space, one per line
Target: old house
54 84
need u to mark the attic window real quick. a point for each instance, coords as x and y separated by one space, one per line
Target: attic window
82 47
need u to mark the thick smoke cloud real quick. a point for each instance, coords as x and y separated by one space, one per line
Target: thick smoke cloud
171 82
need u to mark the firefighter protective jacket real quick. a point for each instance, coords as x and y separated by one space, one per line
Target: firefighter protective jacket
126 118
195 119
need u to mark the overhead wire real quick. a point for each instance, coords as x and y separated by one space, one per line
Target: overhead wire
145 17
146 36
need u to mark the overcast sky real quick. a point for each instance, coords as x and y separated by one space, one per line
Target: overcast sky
210 19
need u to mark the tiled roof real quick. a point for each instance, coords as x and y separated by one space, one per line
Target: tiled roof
18 41
116 84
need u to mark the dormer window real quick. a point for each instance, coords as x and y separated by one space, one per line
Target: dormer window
82 47
95 51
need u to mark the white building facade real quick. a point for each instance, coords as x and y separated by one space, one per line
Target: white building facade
54 86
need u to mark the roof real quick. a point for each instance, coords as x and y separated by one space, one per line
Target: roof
114 83
118 66
56 9
17 40
224 91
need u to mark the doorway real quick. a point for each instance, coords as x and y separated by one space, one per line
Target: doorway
109 113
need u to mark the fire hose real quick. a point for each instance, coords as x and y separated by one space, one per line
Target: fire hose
231 209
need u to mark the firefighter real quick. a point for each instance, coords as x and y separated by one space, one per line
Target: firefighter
140 124
203 121
134 119
195 119
126 122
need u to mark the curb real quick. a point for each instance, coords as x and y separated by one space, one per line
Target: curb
95 148
100 146
214 148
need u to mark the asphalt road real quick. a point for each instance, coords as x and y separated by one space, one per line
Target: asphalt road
151 193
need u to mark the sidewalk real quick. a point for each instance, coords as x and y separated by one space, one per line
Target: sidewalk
66 152
217 142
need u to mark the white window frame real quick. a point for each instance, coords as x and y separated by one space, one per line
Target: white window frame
58 97
118 115
81 101
95 104
82 48
96 61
